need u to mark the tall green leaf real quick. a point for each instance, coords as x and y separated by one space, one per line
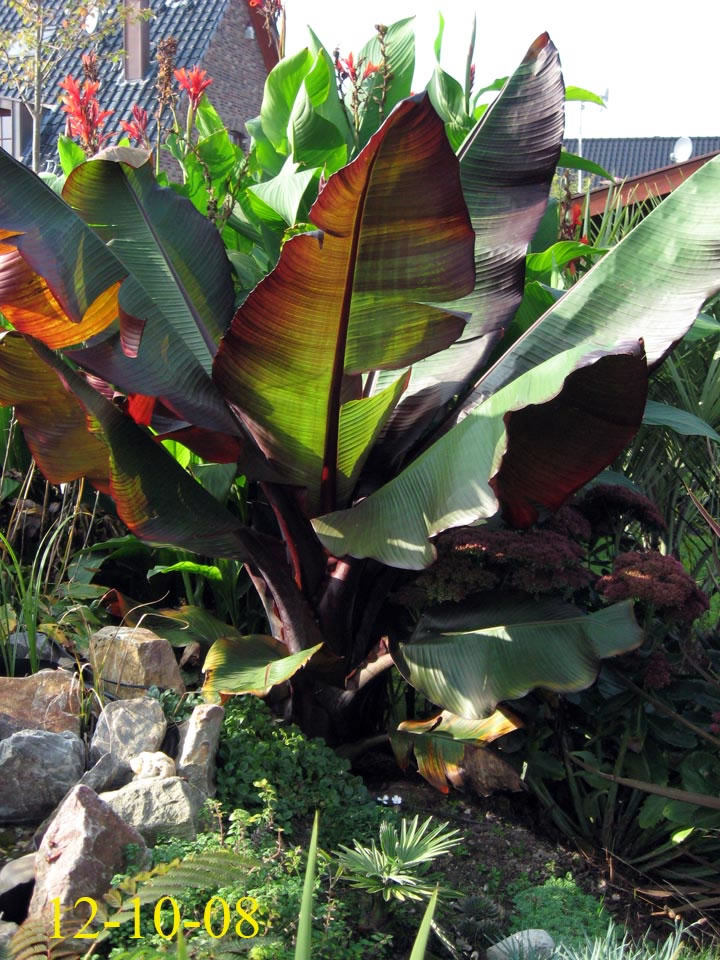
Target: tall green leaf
506 167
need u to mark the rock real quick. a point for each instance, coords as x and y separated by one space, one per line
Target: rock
199 738
16 884
159 805
131 659
82 850
37 768
524 945
146 765
8 726
15 872
8 929
19 640
109 773
48 700
127 728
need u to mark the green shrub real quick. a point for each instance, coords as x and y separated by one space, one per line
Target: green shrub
560 907
272 768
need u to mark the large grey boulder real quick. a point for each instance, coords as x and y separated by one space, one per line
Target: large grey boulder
83 848
47 700
37 768
523 945
158 806
131 659
199 737
127 728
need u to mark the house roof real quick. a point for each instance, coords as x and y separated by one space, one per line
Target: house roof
632 156
193 24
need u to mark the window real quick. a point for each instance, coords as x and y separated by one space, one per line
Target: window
6 137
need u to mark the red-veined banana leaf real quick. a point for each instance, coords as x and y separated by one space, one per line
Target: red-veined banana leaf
160 502
506 168
251 664
154 496
443 745
470 656
93 284
395 234
532 444
53 421
649 289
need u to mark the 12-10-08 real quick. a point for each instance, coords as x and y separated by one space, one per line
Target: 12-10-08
212 926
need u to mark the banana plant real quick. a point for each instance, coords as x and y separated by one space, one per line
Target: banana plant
372 388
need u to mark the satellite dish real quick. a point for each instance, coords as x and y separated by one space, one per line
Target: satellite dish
682 150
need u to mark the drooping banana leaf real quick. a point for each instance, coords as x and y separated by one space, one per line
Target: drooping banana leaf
251 664
53 421
467 657
352 299
442 744
532 444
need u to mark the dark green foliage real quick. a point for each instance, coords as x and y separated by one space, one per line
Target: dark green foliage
263 763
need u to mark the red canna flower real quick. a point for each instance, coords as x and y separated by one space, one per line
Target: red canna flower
194 83
348 69
369 70
136 129
85 119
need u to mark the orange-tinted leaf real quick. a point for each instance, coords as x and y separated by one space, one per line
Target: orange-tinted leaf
29 305
52 419
448 748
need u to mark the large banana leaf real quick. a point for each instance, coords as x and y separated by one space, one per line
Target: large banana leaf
171 250
649 289
53 421
352 299
650 286
470 656
506 168
532 444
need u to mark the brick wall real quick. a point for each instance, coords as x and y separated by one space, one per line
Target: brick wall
236 66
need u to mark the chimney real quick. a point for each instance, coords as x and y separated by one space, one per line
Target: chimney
137 40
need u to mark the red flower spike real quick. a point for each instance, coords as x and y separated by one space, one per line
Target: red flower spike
85 119
194 83
136 129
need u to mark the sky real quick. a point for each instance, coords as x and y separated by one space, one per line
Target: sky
658 62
